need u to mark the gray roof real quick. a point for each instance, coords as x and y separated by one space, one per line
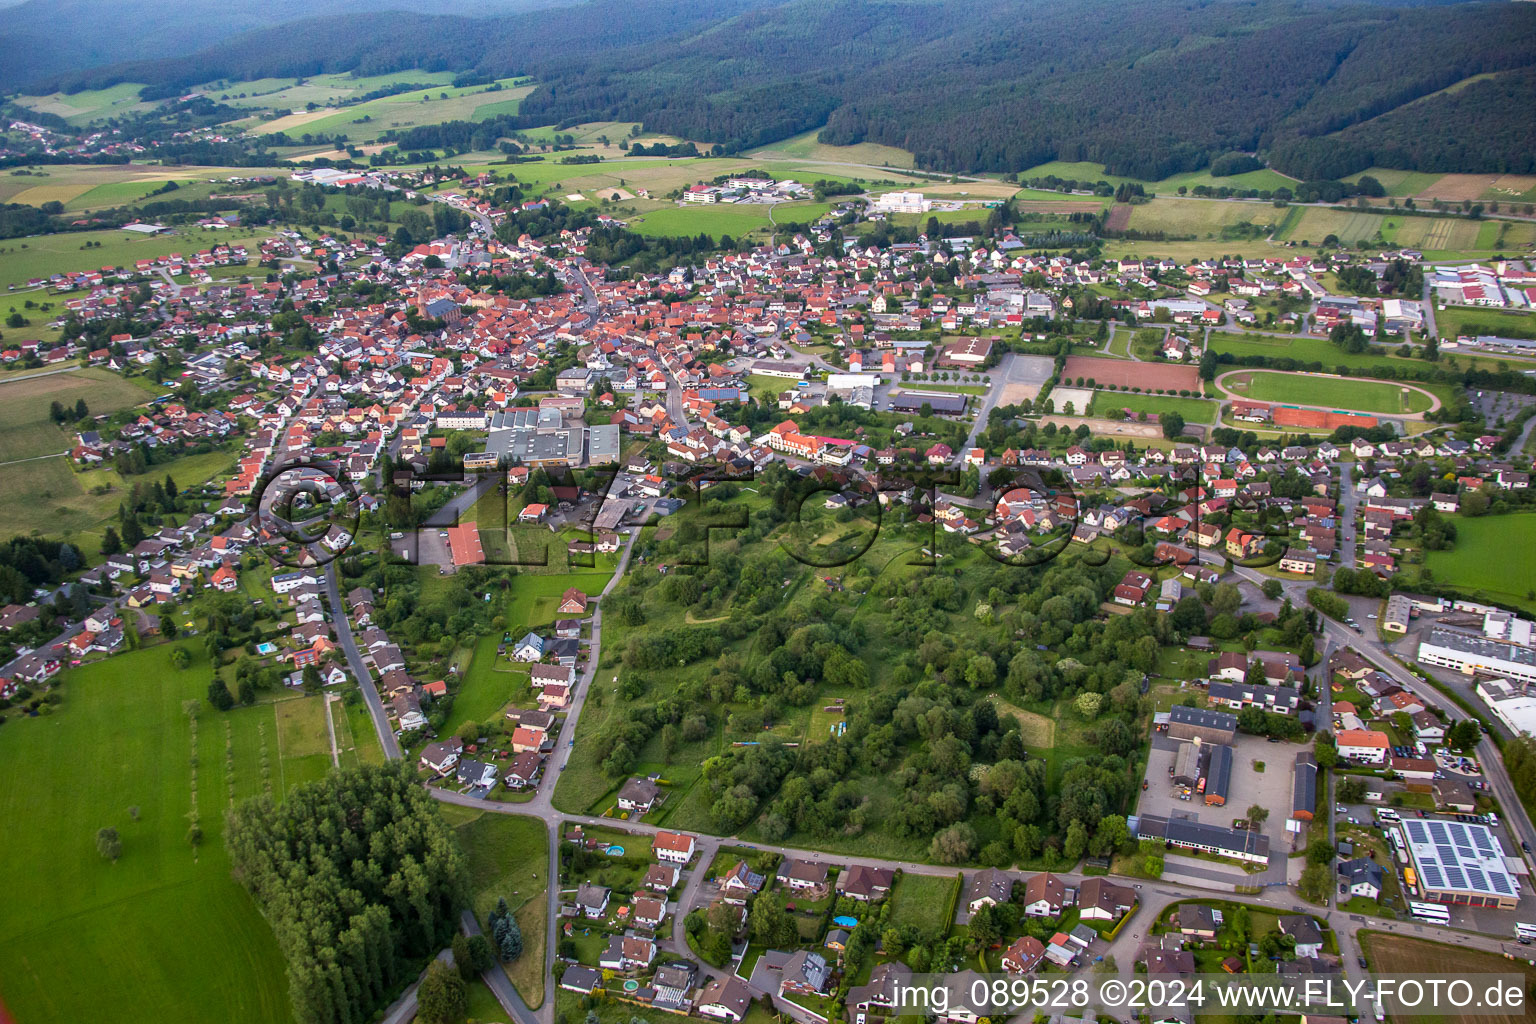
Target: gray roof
1304 784
1180 714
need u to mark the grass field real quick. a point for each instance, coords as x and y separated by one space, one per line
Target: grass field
1035 730
509 859
365 122
48 496
1494 555
921 900
45 255
1457 321
150 924
805 147
25 429
1398 183
1399 954
1332 392
734 220
1194 410
90 104
1312 350
1202 218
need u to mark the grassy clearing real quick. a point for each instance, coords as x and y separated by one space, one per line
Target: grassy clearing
805 147
1034 729
1494 555
151 923
1335 392
509 859
921 900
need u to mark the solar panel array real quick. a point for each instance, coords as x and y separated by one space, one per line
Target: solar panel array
1456 855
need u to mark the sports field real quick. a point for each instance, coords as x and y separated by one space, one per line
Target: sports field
86 937
1493 555
735 220
1194 410
1327 392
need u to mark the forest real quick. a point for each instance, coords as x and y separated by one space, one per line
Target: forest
361 880
1155 89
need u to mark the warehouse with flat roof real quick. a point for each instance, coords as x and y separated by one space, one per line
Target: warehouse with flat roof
1186 723
1460 863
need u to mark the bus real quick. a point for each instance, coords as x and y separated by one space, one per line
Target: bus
1525 932
1432 912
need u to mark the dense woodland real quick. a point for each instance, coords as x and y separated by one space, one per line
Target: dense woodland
361 881
977 85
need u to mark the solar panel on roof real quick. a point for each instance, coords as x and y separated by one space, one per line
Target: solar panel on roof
1455 878
1476 877
1432 877
1501 885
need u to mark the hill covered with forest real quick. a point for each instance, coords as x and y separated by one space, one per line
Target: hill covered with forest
1321 88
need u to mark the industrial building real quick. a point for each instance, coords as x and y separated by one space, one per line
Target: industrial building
1469 653
1186 723
1460 863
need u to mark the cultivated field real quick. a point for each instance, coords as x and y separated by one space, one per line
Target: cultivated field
1201 218
1327 392
1399 954
1493 555
1126 373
